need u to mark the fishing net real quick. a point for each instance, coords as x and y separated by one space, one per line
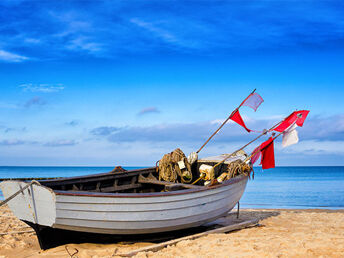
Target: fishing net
238 167
169 170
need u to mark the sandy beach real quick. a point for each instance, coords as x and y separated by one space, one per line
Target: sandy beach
282 233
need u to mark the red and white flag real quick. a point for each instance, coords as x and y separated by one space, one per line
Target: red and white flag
253 101
236 117
297 117
290 136
268 155
266 151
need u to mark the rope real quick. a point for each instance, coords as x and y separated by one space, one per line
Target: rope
169 169
19 191
238 167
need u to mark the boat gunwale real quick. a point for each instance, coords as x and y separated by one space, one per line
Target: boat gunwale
126 172
155 194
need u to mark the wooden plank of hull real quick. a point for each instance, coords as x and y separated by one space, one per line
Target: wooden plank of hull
129 207
142 227
146 215
134 212
143 215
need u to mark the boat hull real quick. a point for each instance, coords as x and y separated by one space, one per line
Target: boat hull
142 215
123 213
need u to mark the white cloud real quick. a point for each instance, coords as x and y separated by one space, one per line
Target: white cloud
32 41
84 43
47 88
59 143
314 147
11 57
161 33
11 142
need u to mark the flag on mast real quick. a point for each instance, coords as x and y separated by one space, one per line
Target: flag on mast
236 117
297 117
266 151
268 156
253 101
290 136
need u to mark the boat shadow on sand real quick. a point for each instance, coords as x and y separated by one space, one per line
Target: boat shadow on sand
58 237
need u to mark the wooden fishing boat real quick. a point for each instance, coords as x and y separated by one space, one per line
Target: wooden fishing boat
135 202
121 203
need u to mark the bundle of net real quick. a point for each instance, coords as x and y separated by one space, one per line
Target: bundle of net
174 166
238 167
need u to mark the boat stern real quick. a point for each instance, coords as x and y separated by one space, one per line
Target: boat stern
35 204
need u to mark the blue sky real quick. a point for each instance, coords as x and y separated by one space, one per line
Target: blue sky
123 82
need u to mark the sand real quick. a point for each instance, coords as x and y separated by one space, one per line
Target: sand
283 233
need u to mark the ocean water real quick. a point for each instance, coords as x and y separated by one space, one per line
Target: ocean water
281 187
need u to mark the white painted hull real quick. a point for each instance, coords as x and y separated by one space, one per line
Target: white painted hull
124 213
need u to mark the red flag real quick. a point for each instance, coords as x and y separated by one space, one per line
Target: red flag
268 155
253 101
297 117
256 155
236 117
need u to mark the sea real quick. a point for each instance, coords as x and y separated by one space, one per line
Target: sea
277 188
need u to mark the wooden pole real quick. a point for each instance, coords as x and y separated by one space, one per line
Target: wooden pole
201 177
218 129
160 246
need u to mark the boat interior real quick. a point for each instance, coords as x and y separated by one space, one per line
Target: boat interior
120 180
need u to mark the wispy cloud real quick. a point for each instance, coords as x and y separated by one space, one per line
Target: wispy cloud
148 110
104 130
11 57
43 87
158 32
11 142
315 129
321 128
179 132
78 32
53 143
315 147
32 40
60 143
107 29
84 43
35 101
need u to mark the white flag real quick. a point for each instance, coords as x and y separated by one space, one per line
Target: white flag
290 136
253 101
